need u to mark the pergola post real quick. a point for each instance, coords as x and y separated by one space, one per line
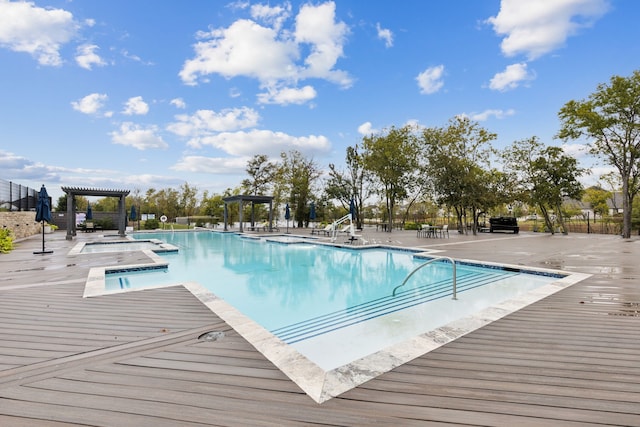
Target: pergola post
71 217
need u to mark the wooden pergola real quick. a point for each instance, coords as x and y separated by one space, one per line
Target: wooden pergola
240 199
78 191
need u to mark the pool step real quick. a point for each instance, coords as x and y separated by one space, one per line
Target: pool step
407 298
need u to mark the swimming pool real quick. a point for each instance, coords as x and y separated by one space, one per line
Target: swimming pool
333 306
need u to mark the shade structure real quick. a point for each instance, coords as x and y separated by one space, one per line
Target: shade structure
89 212
312 211
43 213
133 215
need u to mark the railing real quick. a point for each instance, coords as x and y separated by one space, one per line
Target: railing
16 197
434 259
334 228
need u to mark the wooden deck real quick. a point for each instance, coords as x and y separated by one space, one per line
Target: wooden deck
572 359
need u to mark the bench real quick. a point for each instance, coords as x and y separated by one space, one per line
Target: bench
503 223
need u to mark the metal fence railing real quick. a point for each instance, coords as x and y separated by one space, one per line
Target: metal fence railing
16 197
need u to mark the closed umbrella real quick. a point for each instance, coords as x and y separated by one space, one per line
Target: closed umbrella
43 213
312 211
89 212
287 215
352 209
133 215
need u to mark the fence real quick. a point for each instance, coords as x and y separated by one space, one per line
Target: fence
16 197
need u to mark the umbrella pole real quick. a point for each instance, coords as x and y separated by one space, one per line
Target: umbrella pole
43 251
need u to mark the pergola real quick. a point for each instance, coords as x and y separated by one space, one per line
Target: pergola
77 191
250 199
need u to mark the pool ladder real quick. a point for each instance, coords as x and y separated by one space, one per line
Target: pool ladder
434 259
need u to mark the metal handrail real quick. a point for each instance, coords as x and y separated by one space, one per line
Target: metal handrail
435 258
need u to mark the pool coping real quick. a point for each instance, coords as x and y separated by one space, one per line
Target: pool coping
323 385
163 247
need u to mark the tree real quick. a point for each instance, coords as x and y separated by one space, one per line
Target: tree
545 176
297 176
610 119
261 174
458 168
187 200
597 199
350 184
391 158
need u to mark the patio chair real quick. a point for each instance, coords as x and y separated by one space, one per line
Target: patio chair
444 230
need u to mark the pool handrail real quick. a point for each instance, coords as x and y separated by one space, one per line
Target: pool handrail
433 259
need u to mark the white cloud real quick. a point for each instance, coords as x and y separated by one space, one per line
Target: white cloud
316 25
136 136
430 80
576 150
204 123
537 27
272 54
385 34
86 56
25 27
511 77
366 129
91 104
287 95
135 105
178 103
268 142
486 114
212 165
274 16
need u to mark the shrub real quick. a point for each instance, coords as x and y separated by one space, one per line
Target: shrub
151 224
105 223
6 241
411 226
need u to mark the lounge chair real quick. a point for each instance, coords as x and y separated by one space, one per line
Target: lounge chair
89 227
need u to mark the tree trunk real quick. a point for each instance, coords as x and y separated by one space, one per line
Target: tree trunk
626 210
563 226
547 220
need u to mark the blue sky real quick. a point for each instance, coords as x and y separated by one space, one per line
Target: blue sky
152 94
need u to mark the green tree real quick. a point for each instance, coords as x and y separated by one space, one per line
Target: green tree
212 206
261 175
598 199
459 171
168 202
349 184
297 177
610 119
391 158
187 200
545 176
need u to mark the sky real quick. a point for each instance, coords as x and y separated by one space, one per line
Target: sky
143 94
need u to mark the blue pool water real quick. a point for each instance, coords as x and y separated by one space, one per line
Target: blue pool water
300 290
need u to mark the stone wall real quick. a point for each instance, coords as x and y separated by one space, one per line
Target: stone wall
22 224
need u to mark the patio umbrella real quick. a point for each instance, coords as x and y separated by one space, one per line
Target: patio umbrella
287 215
133 215
89 212
312 211
352 209
43 213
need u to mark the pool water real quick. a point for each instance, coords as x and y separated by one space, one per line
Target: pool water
334 305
